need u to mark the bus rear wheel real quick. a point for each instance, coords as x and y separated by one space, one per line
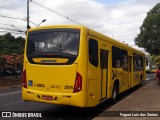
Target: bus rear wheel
115 92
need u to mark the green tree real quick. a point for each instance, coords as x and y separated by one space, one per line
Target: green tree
149 36
156 59
9 44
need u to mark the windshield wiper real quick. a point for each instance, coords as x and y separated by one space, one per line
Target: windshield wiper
60 49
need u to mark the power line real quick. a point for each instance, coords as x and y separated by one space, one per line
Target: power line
17 28
33 23
12 32
53 11
5 24
12 24
12 17
17 19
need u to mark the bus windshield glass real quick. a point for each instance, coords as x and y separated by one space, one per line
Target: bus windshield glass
53 41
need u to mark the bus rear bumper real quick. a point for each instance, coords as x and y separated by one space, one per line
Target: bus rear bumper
73 99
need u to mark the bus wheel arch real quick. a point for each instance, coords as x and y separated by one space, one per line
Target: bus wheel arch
115 90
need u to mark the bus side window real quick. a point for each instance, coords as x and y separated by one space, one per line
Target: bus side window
138 62
118 64
93 52
124 59
134 63
116 57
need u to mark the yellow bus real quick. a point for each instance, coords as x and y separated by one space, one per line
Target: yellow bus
77 66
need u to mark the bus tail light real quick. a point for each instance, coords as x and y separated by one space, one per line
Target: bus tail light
78 83
24 79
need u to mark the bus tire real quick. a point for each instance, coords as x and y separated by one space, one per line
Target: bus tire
115 91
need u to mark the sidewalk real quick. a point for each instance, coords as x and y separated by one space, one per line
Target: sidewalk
10 82
147 98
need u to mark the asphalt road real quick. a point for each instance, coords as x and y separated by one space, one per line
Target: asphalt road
10 100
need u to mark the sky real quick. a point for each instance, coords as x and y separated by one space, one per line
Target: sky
118 19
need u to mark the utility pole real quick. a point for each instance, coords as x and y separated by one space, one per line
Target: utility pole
28 14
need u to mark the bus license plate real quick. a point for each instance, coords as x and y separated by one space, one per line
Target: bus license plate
46 97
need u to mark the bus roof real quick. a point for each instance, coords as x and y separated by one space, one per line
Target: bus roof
93 33
115 42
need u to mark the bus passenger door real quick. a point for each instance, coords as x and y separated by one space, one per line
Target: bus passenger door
130 70
104 73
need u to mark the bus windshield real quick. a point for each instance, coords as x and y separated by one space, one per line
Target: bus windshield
53 41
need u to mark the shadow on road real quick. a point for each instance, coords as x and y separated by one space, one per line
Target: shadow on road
69 112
